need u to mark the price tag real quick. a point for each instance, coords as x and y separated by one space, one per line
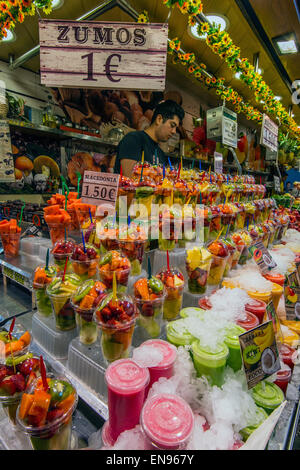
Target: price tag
259 353
218 162
269 134
272 316
262 257
14 276
292 297
100 188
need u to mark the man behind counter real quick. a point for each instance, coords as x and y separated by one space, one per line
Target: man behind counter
167 116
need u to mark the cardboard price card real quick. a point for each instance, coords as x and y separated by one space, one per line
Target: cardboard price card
262 257
100 188
272 316
7 169
259 353
292 301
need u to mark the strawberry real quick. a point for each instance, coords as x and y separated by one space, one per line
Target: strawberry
7 386
19 382
54 414
5 370
29 365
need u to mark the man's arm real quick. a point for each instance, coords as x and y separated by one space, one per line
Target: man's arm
127 166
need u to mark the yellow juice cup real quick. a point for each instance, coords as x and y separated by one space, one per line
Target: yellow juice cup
276 292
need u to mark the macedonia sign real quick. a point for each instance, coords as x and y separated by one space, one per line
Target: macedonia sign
103 55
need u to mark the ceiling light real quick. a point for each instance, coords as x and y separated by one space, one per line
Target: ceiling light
238 75
10 37
219 20
286 44
56 4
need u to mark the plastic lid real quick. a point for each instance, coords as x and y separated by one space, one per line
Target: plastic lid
126 376
192 312
256 306
232 334
167 420
269 395
178 333
210 357
168 350
251 321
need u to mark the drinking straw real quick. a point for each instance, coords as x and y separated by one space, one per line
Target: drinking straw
200 167
170 164
11 328
164 171
43 374
149 268
200 198
142 172
21 215
220 233
187 202
82 236
65 269
47 259
168 260
172 197
179 170
143 157
114 287
193 163
91 216
79 176
227 232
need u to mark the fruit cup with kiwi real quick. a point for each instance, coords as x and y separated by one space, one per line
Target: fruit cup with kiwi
181 192
173 281
240 217
45 412
116 319
114 261
43 277
233 253
215 223
144 194
163 192
109 237
198 261
203 219
62 250
220 254
149 295
60 292
170 220
226 217
84 261
132 243
247 239
11 345
15 376
188 226
85 300
239 245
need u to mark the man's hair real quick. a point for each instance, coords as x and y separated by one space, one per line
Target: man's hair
168 109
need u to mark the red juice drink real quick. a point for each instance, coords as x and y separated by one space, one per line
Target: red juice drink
126 382
167 422
283 377
287 354
166 367
257 307
248 321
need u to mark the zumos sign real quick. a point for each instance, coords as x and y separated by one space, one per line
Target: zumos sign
103 55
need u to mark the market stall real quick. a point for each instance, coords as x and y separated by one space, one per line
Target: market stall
176 302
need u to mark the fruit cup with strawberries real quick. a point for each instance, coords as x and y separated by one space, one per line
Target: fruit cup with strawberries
62 250
60 291
220 254
12 345
45 412
126 192
215 223
181 192
170 223
15 376
114 261
149 296
163 192
42 277
10 234
132 243
234 254
144 194
109 237
85 300
84 261
203 219
173 280
198 262
247 239
116 317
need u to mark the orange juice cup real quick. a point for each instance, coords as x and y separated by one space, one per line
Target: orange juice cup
11 244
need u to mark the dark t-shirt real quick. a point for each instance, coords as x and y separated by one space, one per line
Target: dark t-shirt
132 146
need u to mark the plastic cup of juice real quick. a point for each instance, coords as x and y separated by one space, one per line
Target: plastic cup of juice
126 386
210 362
166 367
46 416
287 354
283 378
248 430
178 334
268 396
264 296
248 321
276 292
116 320
11 244
275 278
234 359
257 307
218 264
40 281
167 422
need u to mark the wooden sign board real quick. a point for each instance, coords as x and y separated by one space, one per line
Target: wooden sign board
89 54
269 134
100 188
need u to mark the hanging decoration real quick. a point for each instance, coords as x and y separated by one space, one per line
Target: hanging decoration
13 12
187 7
143 17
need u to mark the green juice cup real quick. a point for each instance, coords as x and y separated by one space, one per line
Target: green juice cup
39 288
210 363
234 359
248 430
267 395
60 293
178 334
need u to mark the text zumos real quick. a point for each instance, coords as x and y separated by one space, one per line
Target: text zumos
154 459
101 35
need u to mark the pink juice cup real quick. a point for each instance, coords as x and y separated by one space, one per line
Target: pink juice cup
166 367
167 422
249 322
283 377
257 307
126 382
